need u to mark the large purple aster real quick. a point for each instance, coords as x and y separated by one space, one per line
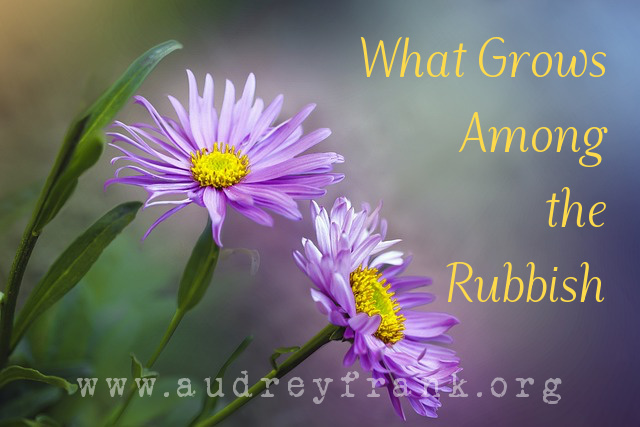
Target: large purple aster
360 287
235 157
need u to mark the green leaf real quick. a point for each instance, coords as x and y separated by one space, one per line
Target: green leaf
43 420
83 143
139 371
199 271
279 352
39 421
73 264
209 403
15 373
85 156
136 367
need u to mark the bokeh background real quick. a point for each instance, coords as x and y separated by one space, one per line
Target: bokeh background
400 138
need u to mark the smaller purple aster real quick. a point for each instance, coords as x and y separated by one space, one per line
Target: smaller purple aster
359 286
236 157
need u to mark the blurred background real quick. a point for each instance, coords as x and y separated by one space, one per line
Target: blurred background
400 138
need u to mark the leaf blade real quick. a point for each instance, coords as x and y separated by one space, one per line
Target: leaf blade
198 272
16 373
73 264
209 403
79 150
273 360
138 370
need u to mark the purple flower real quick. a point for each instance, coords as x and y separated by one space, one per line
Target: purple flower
360 287
235 157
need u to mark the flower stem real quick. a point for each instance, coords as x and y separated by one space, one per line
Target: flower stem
27 243
323 337
173 325
175 321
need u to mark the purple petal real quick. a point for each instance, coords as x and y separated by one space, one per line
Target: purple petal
324 303
208 115
162 218
224 125
410 300
214 201
337 319
282 133
365 324
267 117
303 144
423 325
341 291
350 357
180 142
243 109
299 165
182 114
389 258
407 283
195 113
254 213
395 402
238 194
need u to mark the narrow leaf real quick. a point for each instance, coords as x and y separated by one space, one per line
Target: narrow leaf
40 421
139 371
209 403
279 352
24 422
136 367
82 144
45 421
15 373
73 264
199 270
85 156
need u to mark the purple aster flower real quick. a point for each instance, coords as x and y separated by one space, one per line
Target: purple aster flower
360 287
233 157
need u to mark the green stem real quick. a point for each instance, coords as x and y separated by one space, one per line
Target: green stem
119 411
28 242
323 337
175 321
173 325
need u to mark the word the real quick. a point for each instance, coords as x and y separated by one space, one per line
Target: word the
567 211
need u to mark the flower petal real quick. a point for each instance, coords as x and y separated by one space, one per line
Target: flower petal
365 324
215 203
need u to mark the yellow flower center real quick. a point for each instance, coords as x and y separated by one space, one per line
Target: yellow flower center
220 168
373 296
